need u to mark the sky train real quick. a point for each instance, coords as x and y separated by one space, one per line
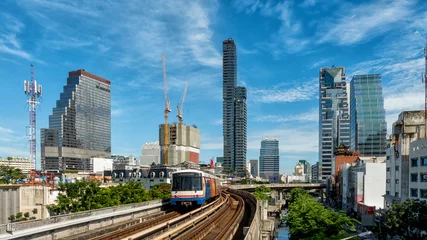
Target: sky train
194 187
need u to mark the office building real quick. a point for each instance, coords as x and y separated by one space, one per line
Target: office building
184 144
150 154
307 169
234 113
418 169
409 127
240 131
80 125
314 175
367 115
25 164
254 168
269 158
334 119
220 160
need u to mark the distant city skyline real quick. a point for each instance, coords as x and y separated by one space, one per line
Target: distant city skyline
281 48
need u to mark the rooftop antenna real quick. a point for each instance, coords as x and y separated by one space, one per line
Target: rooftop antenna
33 93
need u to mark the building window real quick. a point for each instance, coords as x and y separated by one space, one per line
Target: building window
396 194
388 169
387 192
414 177
388 180
423 177
414 162
397 181
397 168
424 161
388 158
414 192
423 193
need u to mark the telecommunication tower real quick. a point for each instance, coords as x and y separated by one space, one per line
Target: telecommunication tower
33 93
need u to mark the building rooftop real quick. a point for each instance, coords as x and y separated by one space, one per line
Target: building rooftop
82 72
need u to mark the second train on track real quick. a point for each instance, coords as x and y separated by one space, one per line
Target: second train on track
194 187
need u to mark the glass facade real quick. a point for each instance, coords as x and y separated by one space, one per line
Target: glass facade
80 125
269 158
229 83
334 119
234 112
368 125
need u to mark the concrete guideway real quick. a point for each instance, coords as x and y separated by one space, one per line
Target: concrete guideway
73 226
278 186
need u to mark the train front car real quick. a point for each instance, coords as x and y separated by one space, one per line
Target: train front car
187 188
193 187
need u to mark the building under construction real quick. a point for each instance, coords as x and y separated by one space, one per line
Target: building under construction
184 144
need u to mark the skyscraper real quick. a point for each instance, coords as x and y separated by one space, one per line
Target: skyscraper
367 115
80 125
334 119
229 83
234 112
240 131
269 158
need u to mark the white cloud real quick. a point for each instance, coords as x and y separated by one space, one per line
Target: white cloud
9 43
15 152
365 21
320 63
5 130
217 122
312 115
308 3
302 138
301 92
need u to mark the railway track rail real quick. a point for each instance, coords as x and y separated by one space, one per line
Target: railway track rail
217 220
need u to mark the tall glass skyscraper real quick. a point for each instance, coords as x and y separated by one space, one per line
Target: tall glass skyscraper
334 119
229 83
234 112
80 125
269 158
368 125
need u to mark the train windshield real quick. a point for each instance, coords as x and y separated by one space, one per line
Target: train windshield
187 182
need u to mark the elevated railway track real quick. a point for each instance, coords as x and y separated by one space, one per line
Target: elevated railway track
219 219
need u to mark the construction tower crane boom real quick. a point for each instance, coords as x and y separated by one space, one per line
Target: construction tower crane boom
182 103
167 111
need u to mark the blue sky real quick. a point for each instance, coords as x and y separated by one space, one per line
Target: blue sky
280 44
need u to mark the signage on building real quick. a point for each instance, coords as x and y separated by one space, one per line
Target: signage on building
365 209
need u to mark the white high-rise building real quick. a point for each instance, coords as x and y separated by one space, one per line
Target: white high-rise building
150 153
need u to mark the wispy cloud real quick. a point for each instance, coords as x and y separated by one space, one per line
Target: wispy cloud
312 115
301 138
308 3
217 122
288 38
9 43
300 92
366 21
5 130
15 152
247 51
320 63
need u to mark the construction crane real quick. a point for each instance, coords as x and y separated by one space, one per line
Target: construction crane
167 111
182 103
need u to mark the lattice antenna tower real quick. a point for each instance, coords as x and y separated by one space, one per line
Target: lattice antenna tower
424 80
33 91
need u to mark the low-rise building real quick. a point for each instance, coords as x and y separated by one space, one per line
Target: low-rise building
409 127
24 164
418 169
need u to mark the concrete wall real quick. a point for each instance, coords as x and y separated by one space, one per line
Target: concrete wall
9 201
375 180
254 231
70 224
35 197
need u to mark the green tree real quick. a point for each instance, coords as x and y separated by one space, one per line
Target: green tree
12 218
407 220
262 192
11 174
308 219
27 215
160 191
35 211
